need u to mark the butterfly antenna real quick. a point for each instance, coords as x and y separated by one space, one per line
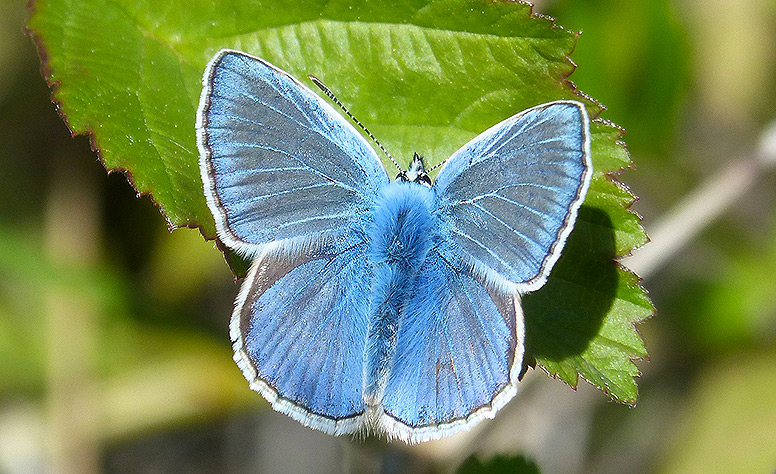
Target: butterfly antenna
334 99
437 165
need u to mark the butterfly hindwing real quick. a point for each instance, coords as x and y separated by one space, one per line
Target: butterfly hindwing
510 196
277 161
299 330
458 354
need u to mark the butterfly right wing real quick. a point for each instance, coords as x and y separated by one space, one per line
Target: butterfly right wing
299 331
459 353
278 162
508 199
506 202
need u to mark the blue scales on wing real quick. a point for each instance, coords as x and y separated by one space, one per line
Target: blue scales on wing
508 199
458 354
277 161
299 332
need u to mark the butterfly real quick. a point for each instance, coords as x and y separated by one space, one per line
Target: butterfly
376 305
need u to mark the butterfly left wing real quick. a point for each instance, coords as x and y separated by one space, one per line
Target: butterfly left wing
278 163
459 353
508 199
299 331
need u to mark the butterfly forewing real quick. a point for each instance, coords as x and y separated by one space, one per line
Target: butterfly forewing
278 162
509 198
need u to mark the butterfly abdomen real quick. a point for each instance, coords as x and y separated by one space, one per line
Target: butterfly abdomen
400 236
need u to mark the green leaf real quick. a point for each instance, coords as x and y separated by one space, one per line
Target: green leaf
425 76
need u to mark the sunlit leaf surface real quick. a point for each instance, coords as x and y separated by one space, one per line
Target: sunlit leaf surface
423 76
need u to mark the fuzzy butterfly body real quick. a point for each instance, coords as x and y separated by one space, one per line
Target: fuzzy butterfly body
373 305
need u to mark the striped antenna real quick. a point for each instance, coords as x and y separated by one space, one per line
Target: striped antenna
437 165
334 99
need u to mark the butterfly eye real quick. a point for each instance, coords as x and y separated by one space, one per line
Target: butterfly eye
412 176
423 179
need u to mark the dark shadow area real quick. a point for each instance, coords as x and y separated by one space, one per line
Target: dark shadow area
498 465
565 314
32 138
238 264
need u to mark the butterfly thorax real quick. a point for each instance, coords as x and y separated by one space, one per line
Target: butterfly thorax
400 237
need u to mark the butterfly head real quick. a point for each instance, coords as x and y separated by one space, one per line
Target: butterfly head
416 172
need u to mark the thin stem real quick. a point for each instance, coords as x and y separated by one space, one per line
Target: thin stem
72 231
682 224
437 165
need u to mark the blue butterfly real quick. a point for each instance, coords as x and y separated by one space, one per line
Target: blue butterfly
390 307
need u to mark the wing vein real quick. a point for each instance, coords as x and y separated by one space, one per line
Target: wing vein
300 161
480 321
285 191
504 198
449 343
286 304
305 125
300 124
314 218
505 224
481 245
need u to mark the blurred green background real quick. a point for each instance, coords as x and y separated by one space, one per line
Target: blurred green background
114 351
